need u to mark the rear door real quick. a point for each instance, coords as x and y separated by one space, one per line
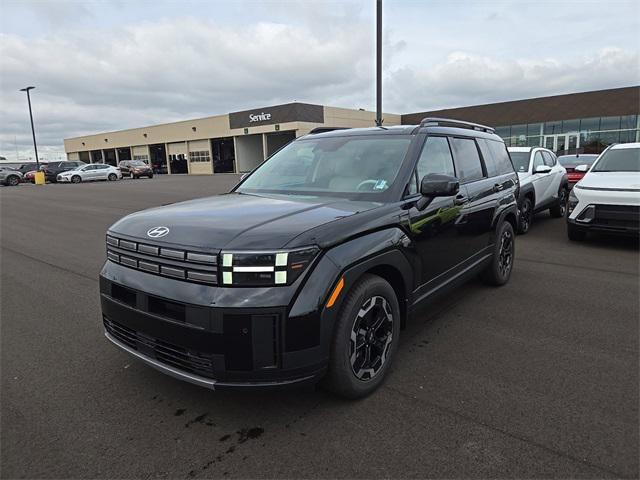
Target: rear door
482 192
102 171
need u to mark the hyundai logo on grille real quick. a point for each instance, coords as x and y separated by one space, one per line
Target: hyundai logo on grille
157 232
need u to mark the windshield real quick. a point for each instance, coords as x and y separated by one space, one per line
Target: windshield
332 165
619 160
137 163
577 160
520 161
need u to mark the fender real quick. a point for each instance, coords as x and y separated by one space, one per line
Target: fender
349 260
524 190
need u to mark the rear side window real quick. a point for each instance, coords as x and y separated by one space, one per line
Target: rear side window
467 159
499 162
435 158
548 159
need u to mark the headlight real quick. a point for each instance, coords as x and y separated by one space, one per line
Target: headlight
573 201
248 269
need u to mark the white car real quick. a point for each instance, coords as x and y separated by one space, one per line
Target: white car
543 183
607 198
90 172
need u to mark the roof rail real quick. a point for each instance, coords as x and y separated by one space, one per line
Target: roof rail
450 122
326 129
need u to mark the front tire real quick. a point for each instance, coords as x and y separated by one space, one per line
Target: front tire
560 208
499 270
526 215
112 177
365 338
12 180
76 179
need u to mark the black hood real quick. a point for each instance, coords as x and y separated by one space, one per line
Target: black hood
238 221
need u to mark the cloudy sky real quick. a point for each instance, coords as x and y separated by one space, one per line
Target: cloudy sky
106 65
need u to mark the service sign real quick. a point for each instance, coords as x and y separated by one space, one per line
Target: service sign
292 112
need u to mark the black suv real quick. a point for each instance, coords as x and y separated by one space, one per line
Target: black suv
310 266
52 169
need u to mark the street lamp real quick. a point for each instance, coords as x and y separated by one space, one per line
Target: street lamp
33 132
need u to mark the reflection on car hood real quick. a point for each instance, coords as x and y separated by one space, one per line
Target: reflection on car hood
238 221
611 181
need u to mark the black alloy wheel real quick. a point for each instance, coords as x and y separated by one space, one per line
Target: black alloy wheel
526 215
505 255
371 337
560 208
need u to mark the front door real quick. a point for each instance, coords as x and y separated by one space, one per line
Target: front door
434 230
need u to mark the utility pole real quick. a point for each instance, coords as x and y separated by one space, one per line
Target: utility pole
379 63
33 132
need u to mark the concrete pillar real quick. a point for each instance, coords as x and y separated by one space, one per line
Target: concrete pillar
235 155
264 146
101 155
186 147
166 154
117 157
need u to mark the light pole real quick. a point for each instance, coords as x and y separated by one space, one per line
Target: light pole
33 132
379 63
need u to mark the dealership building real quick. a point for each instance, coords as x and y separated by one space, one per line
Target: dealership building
236 142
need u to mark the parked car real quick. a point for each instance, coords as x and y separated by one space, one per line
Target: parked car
607 198
89 173
309 267
543 184
27 167
135 169
570 162
52 169
10 176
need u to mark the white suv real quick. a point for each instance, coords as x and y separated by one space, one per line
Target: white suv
607 198
543 183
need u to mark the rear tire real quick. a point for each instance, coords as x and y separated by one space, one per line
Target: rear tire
76 179
499 270
112 177
151 175
365 338
526 216
560 208
575 234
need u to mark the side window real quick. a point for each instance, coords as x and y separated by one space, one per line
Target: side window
548 159
501 157
537 160
435 158
489 158
467 159
412 188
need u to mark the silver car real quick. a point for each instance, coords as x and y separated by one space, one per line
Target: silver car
90 172
9 176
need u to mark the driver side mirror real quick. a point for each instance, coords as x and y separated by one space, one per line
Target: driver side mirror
582 168
542 169
436 185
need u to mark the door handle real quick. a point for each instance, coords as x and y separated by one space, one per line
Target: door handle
460 200
498 187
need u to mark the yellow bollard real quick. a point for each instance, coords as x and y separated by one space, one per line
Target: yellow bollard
39 178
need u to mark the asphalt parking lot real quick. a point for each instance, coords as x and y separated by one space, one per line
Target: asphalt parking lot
535 379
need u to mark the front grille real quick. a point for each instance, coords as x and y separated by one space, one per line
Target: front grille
167 353
617 216
196 267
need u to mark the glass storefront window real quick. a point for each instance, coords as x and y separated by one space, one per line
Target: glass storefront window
627 136
590 124
628 122
552 127
519 130
607 138
503 132
610 123
533 129
571 125
534 141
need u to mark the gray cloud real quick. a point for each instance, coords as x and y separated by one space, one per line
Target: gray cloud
134 73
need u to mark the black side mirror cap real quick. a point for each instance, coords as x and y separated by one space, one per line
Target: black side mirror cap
436 185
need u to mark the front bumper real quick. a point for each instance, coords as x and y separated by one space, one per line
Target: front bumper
213 336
